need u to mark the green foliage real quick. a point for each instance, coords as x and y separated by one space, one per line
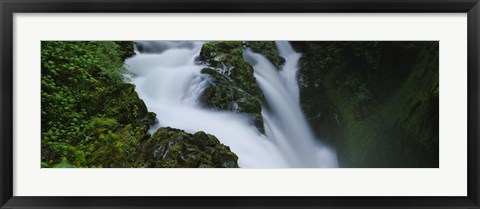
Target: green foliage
376 101
80 118
63 164
126 47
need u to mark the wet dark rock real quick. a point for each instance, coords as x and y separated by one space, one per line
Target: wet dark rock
233 86
169 147
267 49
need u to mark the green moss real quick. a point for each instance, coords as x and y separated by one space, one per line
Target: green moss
63 164
377 102
233 86
90 117
125 106
173 148
127 47
269 50
115 146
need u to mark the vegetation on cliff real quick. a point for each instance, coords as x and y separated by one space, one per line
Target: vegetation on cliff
92 118
377 102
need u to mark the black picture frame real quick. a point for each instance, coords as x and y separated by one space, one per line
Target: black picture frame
9 7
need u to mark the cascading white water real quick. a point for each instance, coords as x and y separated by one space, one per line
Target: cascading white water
169 81
285 123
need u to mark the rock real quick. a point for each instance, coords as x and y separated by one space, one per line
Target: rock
233 86
267 49
174 148
125 106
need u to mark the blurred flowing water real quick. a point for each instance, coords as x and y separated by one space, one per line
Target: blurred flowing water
170 82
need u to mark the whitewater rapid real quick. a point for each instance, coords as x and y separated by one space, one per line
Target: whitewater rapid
168 79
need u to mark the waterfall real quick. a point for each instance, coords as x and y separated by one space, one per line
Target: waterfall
170 82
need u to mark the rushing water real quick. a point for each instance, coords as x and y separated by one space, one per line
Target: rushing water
170 83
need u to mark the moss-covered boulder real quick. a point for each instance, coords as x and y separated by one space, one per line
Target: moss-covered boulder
233 86
124 105
269 50
174 148
377 102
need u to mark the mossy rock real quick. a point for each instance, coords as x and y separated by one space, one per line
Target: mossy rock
125 106
174 148
269 50
221 94
233 86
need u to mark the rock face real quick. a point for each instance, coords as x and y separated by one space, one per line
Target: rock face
173 148
377 102
233 86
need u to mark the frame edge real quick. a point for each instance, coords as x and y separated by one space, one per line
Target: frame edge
473 21
6 130
6 106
